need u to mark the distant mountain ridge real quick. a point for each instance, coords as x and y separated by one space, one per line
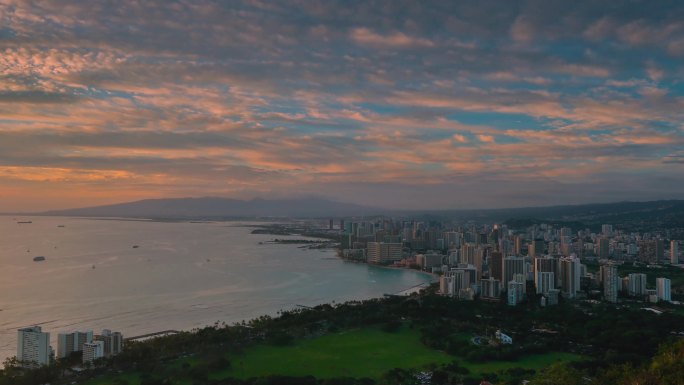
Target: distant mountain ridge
213 207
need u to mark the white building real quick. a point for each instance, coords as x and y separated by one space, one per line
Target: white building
637 284
503 338
663 289
33 347
611 282
93 350
68 343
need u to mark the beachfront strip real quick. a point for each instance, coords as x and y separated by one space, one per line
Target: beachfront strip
501 263
34 350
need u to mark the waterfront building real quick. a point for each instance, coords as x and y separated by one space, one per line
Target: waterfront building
381 252
33 347
92 351
663 289
113 342
68 343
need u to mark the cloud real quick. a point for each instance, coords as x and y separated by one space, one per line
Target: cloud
395 39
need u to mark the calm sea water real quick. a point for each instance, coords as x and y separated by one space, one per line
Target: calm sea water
182 276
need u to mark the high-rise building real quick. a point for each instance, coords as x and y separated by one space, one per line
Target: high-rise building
113 342
637 284
545 281
651 251
490 288
33 347
536 248
663 289
570 276
380 252
517 248
68 343
611 282
674 252
512 266
603 248
496 265
546 264
515 293
92 351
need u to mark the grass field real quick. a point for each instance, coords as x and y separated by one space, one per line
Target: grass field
355 353
367 352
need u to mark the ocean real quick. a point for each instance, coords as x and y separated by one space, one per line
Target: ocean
180 276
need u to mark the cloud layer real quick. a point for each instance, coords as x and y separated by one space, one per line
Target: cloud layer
399 104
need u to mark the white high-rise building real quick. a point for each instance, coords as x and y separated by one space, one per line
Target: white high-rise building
545 281
570 276
611 282
33 347
68 343
637 284
663 289
93 350
674 252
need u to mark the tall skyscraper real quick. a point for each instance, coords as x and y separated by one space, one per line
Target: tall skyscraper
33 347
546 264
68 343
611 282
517 248
663 289
512 266
496 266
674 252
570 276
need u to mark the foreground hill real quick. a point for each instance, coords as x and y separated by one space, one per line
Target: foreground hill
221 208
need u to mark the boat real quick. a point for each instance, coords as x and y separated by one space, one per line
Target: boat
38 258
61 226
20 222
135 246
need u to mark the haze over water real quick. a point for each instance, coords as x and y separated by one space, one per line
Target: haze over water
182 275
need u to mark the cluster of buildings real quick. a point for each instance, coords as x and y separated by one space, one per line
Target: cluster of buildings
495 262
34 350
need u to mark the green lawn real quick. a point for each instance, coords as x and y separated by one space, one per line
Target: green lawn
352 353
367 352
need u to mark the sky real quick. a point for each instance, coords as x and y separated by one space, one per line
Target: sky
396 104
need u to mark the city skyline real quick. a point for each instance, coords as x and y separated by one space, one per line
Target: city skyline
391 104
